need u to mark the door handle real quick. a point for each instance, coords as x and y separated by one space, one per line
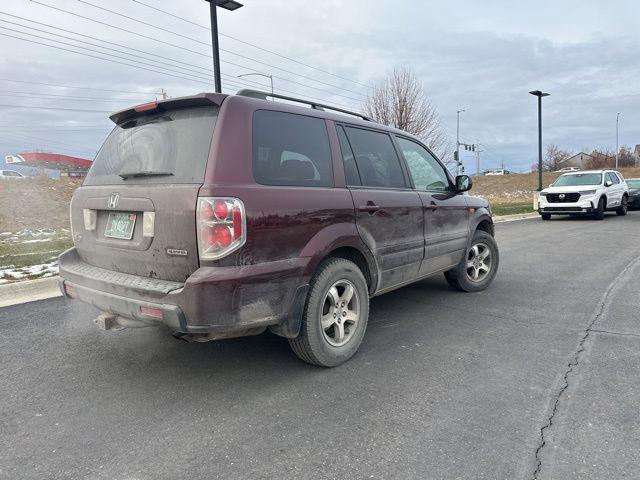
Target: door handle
432 206
370 208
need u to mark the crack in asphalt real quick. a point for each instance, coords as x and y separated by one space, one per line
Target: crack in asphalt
624 334
575 361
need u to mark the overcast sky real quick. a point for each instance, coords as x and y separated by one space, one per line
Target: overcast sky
481 56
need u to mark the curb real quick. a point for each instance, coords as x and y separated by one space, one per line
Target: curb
517 216
29 291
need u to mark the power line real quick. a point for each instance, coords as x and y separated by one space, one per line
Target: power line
94 56
58 85
4 93
194 51
209 45
242 83
251 44
206 70
54 108
194 74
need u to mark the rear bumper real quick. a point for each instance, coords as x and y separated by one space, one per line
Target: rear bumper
211 300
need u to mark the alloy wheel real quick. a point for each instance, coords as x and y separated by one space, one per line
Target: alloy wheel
340 313
479 262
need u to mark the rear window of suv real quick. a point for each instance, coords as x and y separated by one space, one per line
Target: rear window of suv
167 147
291 149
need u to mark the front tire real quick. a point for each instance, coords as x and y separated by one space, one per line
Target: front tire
478 267
624 206
546 216
599 215
335 315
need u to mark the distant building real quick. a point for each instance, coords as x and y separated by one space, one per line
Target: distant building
67 165
580 160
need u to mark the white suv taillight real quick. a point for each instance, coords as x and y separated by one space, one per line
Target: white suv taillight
221 223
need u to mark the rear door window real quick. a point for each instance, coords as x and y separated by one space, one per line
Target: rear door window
376 158
291 149
166 147
350 170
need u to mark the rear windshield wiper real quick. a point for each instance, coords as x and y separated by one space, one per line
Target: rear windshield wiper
144 173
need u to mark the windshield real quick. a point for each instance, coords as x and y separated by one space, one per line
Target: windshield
578 179
633 183
167 147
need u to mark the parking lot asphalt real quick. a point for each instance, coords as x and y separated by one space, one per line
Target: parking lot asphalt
537 377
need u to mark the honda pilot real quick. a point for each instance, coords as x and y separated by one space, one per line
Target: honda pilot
220 216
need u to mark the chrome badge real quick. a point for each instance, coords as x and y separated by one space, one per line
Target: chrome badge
113 200
176 252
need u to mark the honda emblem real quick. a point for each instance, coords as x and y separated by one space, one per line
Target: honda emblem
113 200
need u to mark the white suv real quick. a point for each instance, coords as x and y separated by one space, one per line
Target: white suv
585 192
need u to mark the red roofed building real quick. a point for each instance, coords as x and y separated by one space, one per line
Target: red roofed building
55 161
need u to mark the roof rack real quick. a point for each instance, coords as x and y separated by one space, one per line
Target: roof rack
246 92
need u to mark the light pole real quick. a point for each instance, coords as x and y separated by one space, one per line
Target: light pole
617 148
270 77
539 94
458 162
213 9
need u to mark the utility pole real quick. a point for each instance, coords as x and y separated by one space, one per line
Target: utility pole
478 159
459 168
164 94
617 148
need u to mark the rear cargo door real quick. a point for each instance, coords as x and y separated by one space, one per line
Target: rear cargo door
135 212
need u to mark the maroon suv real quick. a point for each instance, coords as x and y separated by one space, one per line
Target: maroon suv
221 215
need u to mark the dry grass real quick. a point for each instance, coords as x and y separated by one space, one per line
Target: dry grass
519 188
35 202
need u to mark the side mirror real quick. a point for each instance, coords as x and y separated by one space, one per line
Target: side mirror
551 185
608 183
463 183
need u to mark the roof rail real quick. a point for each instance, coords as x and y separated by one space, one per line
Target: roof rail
246 92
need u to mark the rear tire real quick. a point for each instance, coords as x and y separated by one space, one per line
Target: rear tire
546 216
624 206
599 215
478 267
335 315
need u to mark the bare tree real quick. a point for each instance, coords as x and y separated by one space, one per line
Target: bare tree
625 157
602 158
399 101
553 158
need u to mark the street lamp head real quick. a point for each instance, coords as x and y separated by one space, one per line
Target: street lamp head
227 4
539 93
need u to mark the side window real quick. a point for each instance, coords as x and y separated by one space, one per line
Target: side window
350 169
426 171
613 178
290 149
376 159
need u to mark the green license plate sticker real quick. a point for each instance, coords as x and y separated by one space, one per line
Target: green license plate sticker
120 225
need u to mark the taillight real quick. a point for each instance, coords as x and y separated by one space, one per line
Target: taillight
221 225
145 107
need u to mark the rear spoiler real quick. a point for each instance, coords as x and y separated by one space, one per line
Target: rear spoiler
199 100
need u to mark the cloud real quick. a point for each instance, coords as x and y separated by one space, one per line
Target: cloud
483 58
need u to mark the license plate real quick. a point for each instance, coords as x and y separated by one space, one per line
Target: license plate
120 225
